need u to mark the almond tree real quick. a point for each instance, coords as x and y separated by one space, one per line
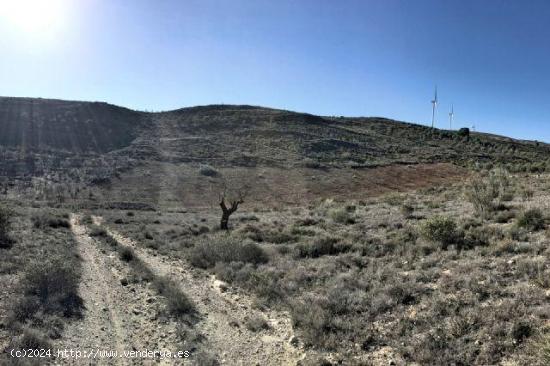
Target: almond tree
229 203
228 211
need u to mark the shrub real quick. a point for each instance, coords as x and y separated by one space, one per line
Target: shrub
278 237
226 249
256 323
407 210
178 303
208 171
531 219
126 254
32 339
50 288
393 199
473 237
320 247
312 164
5 222
486 194
341 216
48 219
98 231
439 229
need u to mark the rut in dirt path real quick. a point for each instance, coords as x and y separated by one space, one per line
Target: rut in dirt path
224 314
102 327
116 318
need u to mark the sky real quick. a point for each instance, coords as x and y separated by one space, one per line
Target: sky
490 58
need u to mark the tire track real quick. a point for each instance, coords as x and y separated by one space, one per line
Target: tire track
102 327
223 314
117 318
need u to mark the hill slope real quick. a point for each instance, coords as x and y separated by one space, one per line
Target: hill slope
46 124
287 156
243 136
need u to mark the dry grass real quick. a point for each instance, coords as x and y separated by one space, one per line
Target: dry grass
386 279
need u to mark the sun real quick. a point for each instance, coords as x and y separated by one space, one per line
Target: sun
33 16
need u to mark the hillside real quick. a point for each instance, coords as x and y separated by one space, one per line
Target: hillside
157 157
355 241
42 124
243 136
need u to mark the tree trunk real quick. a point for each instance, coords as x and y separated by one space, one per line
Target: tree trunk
225 221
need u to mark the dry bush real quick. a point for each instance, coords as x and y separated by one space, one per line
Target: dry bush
178 303
126 254
531 220
5 223
321 246
406 210
226 249
208 171
487 193
49 288
341 215
46 219
256 323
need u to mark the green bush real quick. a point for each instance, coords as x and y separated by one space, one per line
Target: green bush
532 219
224 248
439 229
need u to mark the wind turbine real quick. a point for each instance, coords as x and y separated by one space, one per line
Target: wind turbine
451 115
434 105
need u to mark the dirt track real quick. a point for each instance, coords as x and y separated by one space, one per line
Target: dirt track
116 318
223 315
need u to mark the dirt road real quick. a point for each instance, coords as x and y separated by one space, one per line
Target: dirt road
117 318
224 314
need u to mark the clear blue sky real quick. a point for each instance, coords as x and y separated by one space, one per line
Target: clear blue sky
370 58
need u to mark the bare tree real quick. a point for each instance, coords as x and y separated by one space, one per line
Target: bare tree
233 202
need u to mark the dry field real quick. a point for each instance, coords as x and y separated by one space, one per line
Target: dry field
455 273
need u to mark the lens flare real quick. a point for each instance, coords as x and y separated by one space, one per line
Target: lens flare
33 16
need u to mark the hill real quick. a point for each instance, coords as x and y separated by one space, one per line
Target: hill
159 156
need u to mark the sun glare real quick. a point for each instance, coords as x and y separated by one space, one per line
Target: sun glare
33 16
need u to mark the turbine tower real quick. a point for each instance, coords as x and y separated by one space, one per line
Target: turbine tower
434 105
451 115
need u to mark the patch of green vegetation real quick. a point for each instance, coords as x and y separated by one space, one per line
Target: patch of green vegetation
440 229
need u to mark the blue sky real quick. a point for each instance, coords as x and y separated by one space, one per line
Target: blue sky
490 58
